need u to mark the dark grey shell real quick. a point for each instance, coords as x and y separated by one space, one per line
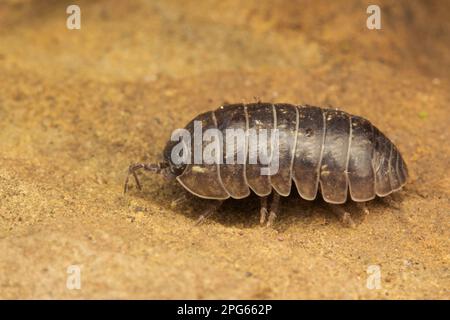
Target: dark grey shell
320 148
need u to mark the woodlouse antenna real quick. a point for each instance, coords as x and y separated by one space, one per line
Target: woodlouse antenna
153 167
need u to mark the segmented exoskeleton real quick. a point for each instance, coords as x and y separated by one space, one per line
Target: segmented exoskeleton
320 149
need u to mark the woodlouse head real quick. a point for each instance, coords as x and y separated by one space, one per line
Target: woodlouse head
172 169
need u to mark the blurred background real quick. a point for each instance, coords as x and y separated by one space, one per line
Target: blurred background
144 39
77 106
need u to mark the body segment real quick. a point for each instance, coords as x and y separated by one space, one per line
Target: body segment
261 120
333 168
308 151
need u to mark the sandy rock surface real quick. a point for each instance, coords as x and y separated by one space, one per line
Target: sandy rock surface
78 106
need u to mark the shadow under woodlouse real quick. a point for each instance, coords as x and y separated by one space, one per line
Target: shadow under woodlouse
293 209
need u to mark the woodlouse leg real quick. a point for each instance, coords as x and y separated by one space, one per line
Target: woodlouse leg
209 212
263 211
362 206
178 201
342 215
391 202
136 167
274 206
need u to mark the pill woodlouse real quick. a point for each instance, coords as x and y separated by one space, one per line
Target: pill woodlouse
324 150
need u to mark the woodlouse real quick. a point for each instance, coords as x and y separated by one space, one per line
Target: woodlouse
324 149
